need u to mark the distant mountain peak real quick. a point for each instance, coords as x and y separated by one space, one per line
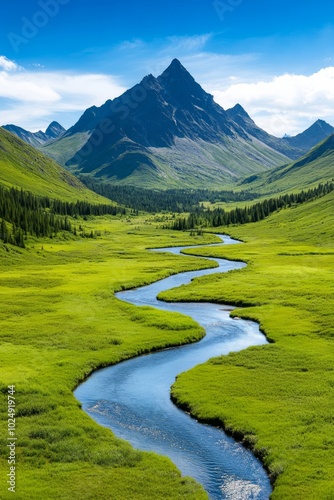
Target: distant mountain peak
183 88
238 110
39 138
323 125
175 135
54 130
316 133
320 122
55 124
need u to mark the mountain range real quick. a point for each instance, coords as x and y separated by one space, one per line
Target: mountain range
292 147
168 132
36 139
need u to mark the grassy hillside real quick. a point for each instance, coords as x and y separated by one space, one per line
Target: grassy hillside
315 167
187 163
278 396
61 150
24 167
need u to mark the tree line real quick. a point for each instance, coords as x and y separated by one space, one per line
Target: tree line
171 200
23 213
201 217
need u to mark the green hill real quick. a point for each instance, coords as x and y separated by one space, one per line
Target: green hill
313 168
22 166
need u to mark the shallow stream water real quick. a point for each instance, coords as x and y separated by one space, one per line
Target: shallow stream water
132 398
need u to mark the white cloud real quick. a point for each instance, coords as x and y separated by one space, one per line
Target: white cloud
25 86
186 44
36 97
284 104
7 64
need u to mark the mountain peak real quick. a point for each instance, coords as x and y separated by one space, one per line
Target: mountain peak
322 122
176 64
322 125
326 127
238 110
176 71
180 84
316 133
55 124
54 130
36 139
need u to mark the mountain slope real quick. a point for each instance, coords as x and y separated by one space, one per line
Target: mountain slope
22 166
164 132
293 147
240 116
315 167
319 131
37 139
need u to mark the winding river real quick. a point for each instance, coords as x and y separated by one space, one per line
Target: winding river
132 398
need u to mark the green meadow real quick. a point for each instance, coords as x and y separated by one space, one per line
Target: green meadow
59 322
277 398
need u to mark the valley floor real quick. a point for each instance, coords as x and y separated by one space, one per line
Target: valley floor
60 321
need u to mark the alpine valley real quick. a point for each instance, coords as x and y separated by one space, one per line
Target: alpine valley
163 166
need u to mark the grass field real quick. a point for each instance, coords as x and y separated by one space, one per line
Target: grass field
279 397
59 321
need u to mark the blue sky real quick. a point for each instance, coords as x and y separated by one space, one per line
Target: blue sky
58 57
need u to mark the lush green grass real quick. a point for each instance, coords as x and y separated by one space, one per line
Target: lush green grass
59 321
312 169
23 167
278 396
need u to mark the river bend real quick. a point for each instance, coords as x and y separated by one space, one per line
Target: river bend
132 398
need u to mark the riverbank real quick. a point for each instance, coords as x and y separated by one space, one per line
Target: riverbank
60 321
133 398
280 395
